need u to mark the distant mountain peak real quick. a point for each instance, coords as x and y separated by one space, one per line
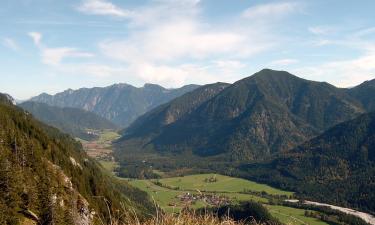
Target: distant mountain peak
269 73
149 85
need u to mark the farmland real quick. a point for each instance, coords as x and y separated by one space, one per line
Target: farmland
172 194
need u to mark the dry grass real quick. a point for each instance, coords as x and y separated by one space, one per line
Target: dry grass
185 218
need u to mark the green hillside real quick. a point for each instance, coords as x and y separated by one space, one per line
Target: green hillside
45 176
337 167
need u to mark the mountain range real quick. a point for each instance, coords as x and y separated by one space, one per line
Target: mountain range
268 112
119 103
74 121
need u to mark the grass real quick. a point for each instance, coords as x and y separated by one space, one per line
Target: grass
292 216
223 184
107 136
110 166
184 218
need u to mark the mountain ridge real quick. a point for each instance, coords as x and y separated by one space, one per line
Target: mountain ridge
120 103
255 117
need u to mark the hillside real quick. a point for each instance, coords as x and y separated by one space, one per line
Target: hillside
173 111
119 103
69 120
46 178
336 167
268 112
365 94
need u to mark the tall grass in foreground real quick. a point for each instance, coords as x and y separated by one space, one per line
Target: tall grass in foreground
185 217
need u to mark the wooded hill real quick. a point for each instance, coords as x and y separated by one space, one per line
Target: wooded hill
336 167
46 177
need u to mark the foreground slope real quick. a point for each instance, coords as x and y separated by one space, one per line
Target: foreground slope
45 176
336 167
69 120
119 103
268 112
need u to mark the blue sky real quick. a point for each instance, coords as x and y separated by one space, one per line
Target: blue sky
53 45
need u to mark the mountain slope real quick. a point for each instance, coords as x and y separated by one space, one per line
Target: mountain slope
46 177
336 167
365 94
69 120
173 111
268 112
119 103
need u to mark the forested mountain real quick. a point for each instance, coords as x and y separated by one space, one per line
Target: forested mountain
336 167
268 112
46 177
152 122
69 120
119 103
365 94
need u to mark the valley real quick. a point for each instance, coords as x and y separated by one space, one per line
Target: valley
199 191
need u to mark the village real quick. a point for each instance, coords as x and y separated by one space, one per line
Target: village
210 199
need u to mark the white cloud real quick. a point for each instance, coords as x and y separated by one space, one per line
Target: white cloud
10 43
284 62
166 35
171 41
168 41
54 56
343 73
271 10
322 30
102 7
96 70
36 36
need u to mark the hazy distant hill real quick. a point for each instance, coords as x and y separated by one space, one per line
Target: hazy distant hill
69 120
337 166
119 103
47 177
268 112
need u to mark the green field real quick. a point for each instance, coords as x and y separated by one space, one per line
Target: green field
292 216
110 166
166 196
222 184
107 136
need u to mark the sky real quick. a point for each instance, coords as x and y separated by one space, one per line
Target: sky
52 45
